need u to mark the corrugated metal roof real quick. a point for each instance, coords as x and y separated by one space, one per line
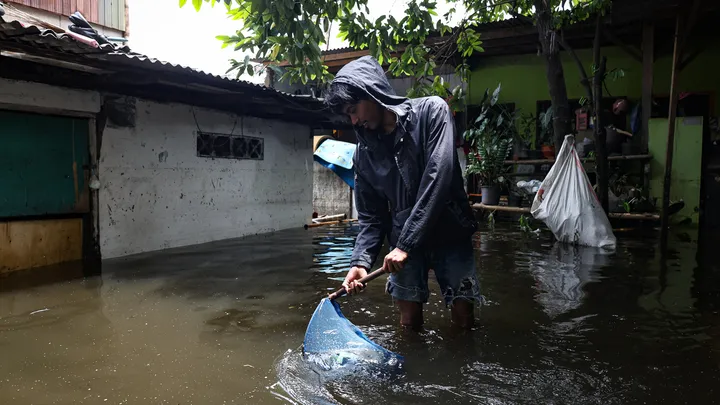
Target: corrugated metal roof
170 82
77 45
509 23
339 50
15 31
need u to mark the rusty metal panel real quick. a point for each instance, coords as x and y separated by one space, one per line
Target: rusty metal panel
121 14
112 13
69 6
48 5
118 20
86 9
107 13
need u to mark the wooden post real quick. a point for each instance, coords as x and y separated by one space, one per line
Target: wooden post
648 51
601 163
671 135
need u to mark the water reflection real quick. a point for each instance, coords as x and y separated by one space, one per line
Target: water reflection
562 274
333 250
223 323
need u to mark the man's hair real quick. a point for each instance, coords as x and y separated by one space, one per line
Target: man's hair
341 94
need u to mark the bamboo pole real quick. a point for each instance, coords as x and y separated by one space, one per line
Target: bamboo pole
584 160
525 210
501 208
672 114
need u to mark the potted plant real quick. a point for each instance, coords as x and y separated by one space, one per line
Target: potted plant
487 162
491 140
525 134
546 133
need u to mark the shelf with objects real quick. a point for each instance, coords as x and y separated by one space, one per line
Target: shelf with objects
533 156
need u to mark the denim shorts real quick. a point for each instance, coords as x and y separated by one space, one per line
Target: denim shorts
454 268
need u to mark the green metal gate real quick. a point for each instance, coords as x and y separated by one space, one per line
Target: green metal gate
42 162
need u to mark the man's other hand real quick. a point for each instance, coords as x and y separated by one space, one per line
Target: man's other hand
351 283
395 260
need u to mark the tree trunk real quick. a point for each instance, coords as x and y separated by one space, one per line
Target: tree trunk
562 124
601 162
555 75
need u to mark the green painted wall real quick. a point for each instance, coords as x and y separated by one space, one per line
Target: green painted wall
686 169
524 83
36 163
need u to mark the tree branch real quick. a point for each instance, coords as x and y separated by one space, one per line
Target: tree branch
585 81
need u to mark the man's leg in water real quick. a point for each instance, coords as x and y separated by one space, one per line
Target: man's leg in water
454 267
409 288
411 314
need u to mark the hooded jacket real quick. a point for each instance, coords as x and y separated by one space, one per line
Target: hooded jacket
413 192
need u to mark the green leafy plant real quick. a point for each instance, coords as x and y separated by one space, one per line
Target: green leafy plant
526 225
286 36
627 206
527 124
491 138
545 118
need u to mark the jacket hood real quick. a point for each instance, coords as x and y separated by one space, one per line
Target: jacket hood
367 75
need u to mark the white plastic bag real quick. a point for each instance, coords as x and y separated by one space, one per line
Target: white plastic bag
568 205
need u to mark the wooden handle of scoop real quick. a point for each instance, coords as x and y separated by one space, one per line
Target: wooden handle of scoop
370 277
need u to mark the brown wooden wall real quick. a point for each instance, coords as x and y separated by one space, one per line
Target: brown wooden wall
108 13
38 243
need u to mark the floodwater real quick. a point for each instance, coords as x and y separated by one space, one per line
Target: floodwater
222 323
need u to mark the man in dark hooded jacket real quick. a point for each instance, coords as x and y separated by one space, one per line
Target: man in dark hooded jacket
409 188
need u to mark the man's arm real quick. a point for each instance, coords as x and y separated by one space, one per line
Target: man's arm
373 217
437 177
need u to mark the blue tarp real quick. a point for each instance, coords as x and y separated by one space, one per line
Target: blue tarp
337 156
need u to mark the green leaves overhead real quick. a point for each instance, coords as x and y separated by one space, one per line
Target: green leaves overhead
292 33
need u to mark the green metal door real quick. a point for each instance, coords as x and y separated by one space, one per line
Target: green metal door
42 160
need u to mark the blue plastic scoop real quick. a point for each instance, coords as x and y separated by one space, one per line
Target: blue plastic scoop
333 342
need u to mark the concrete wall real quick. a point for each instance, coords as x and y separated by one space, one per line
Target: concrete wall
331 195
156 193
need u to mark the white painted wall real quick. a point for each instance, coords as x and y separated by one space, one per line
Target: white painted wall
29 94
148 204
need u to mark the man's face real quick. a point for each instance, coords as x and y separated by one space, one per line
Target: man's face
366 113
